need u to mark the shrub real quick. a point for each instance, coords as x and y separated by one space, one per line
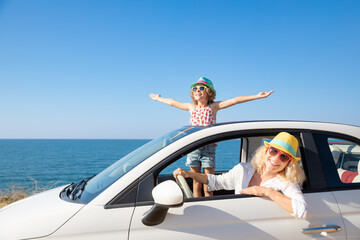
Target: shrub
18 192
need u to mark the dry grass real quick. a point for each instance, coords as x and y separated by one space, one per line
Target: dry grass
16 193
11 195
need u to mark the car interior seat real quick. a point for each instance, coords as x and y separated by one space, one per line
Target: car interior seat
348 176
336 152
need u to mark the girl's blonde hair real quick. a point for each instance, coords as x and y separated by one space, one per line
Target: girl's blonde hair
292 172
211 96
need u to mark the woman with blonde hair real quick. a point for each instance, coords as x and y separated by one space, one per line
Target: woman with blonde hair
274 172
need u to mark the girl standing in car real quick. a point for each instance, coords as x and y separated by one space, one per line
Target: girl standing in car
203 112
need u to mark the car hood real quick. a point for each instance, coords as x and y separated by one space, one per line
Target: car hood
36 216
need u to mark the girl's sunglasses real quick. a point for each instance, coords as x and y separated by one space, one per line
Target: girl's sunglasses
275 152
202 88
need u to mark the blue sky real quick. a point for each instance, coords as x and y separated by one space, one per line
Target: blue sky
85 69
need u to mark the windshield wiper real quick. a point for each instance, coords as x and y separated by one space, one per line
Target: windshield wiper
75 190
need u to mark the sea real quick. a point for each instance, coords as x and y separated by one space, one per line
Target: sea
39 164
46 163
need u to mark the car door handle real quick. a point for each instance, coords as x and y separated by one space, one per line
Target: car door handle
329 228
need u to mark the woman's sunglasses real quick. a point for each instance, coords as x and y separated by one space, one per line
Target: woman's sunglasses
275 152
202 88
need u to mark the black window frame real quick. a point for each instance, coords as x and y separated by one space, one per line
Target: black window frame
151 176
313 151
331 175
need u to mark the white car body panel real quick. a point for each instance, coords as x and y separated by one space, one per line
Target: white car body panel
350 208
240 218
36 216
94 223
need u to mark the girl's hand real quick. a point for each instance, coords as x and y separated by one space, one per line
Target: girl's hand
264 94
180 171
256 191
155 96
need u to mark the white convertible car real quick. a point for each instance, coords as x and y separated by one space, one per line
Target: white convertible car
137 197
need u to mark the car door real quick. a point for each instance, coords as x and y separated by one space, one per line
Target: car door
233 216
341 158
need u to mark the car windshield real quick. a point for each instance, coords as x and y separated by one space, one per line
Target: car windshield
104 179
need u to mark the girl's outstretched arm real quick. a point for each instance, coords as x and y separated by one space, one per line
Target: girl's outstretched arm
171 102
241 99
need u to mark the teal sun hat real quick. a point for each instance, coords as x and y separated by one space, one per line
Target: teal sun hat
205 81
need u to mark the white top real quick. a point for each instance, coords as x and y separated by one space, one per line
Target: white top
239 177
202 116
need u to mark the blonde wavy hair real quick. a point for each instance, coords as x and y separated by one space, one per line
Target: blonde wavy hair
211 95
292 172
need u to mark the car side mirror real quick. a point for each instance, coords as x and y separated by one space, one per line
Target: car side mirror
167 194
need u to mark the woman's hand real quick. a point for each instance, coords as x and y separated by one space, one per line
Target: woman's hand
256 191
182 172
200 177
264 94
155 96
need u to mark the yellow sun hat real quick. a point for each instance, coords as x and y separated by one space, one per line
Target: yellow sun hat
285 142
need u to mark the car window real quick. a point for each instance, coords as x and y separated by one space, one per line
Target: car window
227 155
104 179
346 157
230 150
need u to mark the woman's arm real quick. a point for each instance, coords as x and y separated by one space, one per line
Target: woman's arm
279 198
215 182
296 206
200 177
241 99
172 102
